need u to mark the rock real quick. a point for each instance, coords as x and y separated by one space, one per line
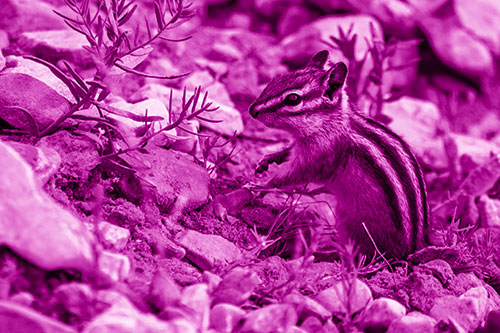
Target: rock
208 251
457 48
43 103
397 17
2 60
196 298
413 322
77 299
424 289
380 313
61 240
57 44
179 183
303 44
113 236
293 18
163 291
427 7
272 8
17 318
468 310
23 298
336 297
306 306
439 269
112 267
79 155
26 15
489 211
415 121
480 18
224 317
4 42
236 287
44 161
123 317
270 319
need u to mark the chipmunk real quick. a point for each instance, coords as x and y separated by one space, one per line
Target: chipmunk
370 170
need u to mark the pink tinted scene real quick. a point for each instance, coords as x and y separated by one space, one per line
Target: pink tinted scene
249 166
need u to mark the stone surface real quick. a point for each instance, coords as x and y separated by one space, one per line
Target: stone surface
208 251
303 44
17 318
489 212
413 322
42 102
112 267
224 317
458 48
57 44
44 161
335 298
112 235
40 72
380 313
163 291
27 15
179 183
33 225
305 306
77 299
270 319
468 310
236 287
481 18
196 298
123 317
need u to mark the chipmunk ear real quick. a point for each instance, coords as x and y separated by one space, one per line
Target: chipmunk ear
335 78
319 59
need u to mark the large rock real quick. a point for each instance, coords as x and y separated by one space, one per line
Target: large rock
457 47
33 225
481 17
57 44
43 103
180 184
208 251
17 318
27 15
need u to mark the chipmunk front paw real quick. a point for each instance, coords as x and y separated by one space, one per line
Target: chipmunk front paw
278 158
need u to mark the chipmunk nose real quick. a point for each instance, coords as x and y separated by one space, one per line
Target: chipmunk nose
254 113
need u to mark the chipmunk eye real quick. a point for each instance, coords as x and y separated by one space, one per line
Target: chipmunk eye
292 100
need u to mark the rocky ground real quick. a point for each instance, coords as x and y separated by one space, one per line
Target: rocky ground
128 200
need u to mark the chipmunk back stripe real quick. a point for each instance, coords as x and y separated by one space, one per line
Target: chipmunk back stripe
373 168
395 156
416 170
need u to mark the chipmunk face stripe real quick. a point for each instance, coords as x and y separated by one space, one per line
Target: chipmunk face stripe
416 171
394 153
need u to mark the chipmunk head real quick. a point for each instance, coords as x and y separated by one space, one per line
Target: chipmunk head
298 101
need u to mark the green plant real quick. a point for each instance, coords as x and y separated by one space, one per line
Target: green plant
113 44
380 52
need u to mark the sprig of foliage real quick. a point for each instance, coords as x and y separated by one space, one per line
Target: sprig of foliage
380 52
111 42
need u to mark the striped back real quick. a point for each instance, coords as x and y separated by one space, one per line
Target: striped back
394 167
